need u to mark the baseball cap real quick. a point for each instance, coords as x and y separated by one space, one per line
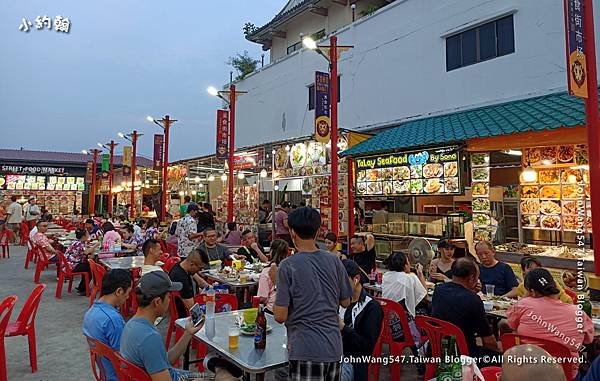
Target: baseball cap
192 206
351 267
156 283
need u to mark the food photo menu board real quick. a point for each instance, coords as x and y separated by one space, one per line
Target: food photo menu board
425 172
66 183
555 190
480 192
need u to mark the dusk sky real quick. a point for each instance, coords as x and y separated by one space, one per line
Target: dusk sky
121 61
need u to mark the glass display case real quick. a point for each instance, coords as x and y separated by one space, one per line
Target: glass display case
418 224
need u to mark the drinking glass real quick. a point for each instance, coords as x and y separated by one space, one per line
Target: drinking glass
489 290
234 336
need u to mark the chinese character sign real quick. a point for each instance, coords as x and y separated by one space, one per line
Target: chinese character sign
322 119
576 64
222 134
158 151
61 24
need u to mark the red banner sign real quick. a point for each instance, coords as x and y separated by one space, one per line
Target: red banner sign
222 134
576 60
158 151
244 161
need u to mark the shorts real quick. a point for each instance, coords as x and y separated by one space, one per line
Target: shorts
314 370
12 226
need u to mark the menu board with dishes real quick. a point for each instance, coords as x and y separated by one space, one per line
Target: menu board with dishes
555 190
40 183
66 183
480 192
427 172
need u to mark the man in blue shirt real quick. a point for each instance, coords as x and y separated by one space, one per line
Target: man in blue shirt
141 343
103 321
493 272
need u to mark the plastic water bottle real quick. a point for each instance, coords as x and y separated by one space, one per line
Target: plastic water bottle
209 327
210 302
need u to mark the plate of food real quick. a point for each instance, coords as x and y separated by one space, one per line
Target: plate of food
566 154
451 184
548 155
434 186
530 191
316 153
479 159
549 176
534 156
248 329
550 207
571 176
298 155
401 186
482 235
416 171
481 220
401 173
569 207
530 206
432 170
388 187
480 174
481 205
416 186
387 174
480 189
374 188
281 158
550 222
373 175
570 192
581 154
571 223
361 175
550 191
450 169
530 221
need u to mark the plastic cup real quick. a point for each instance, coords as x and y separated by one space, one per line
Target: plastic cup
250 315
234 337
489 290
243 278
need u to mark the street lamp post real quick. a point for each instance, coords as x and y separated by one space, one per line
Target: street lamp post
231 100
165 124
331 53
133 137
94 152
111 147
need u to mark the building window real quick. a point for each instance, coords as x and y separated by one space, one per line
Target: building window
311 93
487 41
292 48
298 45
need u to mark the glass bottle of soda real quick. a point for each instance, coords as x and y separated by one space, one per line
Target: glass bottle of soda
260 332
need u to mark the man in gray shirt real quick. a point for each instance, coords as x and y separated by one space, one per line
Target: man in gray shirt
311 285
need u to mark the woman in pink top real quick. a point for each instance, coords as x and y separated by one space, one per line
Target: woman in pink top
110 236
543 315
266 286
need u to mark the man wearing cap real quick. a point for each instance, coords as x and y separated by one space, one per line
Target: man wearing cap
32 213
187 231
141 343
360 325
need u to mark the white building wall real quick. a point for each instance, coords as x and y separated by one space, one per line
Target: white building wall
397 69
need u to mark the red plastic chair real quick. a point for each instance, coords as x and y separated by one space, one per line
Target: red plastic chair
131 372
395 347
24 232
6 308
223 302
25 323
169 264
571 294
555 348
5 237
172 248
97 276
491 373
66 272
436 329
30 257
173 315
42 262
99 351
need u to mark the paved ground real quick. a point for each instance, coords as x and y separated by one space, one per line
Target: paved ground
62 351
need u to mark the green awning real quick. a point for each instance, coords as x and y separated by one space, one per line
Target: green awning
546 112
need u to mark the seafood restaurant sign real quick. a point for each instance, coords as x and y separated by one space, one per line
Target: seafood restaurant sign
425 172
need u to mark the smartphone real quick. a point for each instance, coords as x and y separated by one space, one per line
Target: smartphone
197 314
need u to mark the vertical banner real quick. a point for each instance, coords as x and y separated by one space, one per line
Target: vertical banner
88 172
158 151
322 119
105 162
576 60
222 134
127 160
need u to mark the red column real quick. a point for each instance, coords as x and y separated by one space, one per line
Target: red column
167 125
230 178
351 226
591 122
110 177
92 208
134 137
334 135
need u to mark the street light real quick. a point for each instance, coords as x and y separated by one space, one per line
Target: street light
331 53
232 95
111 147
133 137
165 124
94 152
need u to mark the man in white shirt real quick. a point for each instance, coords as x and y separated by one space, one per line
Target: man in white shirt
14 217
152 252
32 213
